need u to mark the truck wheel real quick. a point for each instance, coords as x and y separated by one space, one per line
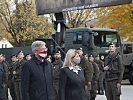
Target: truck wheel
131 77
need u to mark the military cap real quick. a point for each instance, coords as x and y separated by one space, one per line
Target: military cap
1 54
85 54
20 52
90 56
97 55
79 48
111 43
13 56
27 54
57 52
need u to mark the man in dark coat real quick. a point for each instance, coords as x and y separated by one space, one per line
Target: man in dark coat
114 73
57 64
37 75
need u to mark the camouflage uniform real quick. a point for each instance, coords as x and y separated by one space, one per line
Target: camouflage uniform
11 80
101 75
88 72
5 79
17 79
113 76
1 80
94 81
57 64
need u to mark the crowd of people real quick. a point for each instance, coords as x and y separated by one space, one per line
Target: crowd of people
77 77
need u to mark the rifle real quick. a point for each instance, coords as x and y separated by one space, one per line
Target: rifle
108 64
112 60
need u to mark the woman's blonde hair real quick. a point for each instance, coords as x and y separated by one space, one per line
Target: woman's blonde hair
68 58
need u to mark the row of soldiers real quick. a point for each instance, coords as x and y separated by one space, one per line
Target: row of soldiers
93 69
93 74
12 75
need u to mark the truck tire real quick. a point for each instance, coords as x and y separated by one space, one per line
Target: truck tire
131 77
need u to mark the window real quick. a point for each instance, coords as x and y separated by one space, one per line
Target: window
77 38
127 48
104 38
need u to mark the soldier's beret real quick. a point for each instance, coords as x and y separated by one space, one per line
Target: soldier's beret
13 56
97 55
20 52
85 54
79 48
57 52
111 43
1 54
28 54
90 56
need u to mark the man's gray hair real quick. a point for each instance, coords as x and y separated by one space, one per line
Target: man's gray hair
36 44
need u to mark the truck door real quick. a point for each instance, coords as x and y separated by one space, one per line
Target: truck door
127 54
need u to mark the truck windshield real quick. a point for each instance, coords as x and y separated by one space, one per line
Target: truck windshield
103 38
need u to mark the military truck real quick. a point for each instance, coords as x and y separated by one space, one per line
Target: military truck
95 41
127 56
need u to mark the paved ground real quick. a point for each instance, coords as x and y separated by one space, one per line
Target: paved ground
127 92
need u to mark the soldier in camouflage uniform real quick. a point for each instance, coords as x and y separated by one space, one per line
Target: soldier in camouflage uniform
114 73
1 78
101 75
17 75
89 79
88 70
5 77
57 64
11 78
93 91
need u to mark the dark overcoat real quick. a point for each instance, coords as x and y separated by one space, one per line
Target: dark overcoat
37 80
71 85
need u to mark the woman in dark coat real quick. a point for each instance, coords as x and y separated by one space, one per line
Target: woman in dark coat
72 81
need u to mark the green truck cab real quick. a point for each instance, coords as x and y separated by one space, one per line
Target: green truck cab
92 40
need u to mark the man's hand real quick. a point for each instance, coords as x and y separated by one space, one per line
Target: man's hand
106 68
89 86
118 85
118 89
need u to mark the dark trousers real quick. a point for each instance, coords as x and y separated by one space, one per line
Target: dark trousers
111 90
100 82
5 87
17 89
93 91
88 89
56 88
11 89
